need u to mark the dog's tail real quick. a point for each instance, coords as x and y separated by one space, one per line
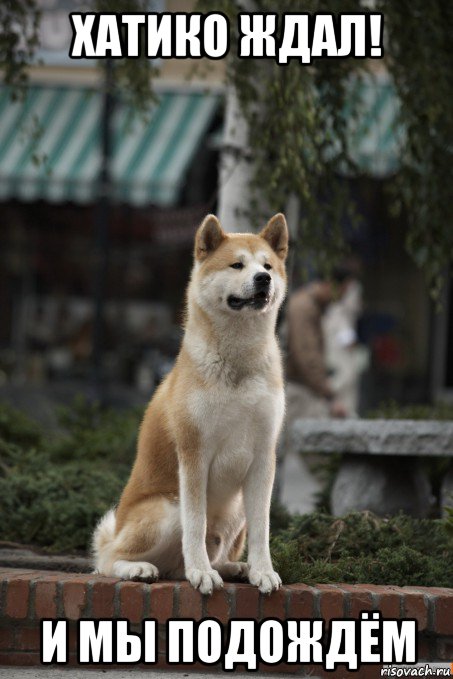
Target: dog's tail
102 542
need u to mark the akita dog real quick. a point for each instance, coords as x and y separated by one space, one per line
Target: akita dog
205 462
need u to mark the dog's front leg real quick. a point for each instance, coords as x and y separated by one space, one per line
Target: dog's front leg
193 486
257 500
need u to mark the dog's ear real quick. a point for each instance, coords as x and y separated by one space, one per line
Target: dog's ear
276 234
209 236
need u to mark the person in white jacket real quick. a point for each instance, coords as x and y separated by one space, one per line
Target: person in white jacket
346 359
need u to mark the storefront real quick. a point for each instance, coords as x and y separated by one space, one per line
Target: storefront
163 178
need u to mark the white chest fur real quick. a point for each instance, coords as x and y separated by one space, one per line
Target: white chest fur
235 424
239 409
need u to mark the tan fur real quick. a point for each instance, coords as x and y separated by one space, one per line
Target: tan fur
206 448
238 546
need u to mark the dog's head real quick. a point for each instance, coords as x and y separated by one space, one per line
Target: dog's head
240 273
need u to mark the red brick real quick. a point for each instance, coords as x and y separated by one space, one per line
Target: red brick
423 648
73 638
444 650
46 599
103 592
359 599
389 605
389 602
218 606
444 615
365 672
6 637
131 601
273 605
72 662
27 639
189 602
247 601
416 606
74 599
20 659
161 639
301 603
161 601
331 602
17 596
388 598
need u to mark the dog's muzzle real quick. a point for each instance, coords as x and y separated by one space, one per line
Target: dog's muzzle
260 298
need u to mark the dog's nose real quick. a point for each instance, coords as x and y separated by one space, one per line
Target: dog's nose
262 279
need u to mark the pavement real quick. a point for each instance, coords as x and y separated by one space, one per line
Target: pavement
88 673
14 555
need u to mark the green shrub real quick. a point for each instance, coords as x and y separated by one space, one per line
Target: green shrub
90 432
53 490
280 517
391 410
17 428
361 547
54 506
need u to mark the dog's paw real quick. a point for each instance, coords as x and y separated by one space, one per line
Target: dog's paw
266 581
204 580
135 570
237 570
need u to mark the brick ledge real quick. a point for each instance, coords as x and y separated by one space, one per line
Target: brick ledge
26 596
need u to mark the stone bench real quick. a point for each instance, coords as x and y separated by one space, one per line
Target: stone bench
380 470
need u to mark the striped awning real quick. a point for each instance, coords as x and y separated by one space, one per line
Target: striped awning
50 145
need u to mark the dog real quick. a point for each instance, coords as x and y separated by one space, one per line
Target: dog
205 463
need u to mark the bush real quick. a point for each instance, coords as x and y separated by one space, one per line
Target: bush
92 433
361 547
18 428
54 489
391 410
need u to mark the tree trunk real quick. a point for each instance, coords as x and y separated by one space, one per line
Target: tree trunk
236 169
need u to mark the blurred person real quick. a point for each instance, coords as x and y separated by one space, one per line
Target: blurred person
309 391
346 359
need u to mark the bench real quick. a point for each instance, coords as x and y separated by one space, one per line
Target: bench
381 468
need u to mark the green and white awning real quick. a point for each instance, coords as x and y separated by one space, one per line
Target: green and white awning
50 142
50 145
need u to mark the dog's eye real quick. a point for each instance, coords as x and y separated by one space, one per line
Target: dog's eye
268 267
237 265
